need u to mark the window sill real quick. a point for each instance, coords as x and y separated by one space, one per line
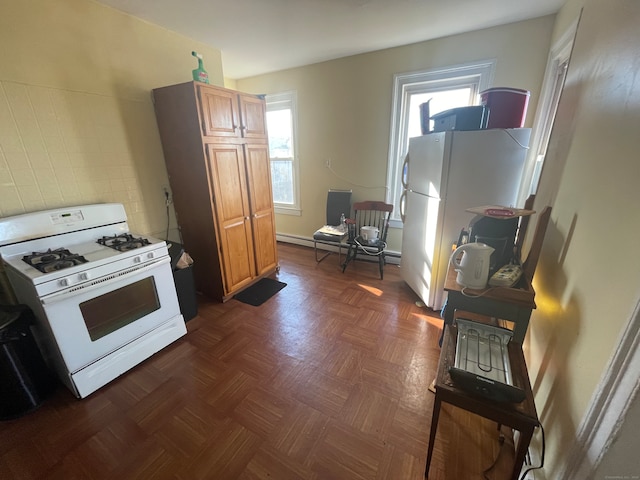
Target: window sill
396 224
288 211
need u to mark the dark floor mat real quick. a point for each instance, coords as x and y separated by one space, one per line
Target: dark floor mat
260 292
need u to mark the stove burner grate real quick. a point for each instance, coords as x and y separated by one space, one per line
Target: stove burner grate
53 260
123 242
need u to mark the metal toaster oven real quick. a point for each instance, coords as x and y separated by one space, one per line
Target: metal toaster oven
482 364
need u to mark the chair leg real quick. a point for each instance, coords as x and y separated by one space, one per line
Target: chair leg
325 255
347 259
381 263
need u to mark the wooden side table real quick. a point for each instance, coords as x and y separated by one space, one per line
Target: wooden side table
513 304
519 416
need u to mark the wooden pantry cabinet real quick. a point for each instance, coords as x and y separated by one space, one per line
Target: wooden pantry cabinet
217 155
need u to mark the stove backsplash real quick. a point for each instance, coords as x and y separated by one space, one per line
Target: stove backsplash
82 153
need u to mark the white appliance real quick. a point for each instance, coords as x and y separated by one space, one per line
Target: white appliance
105 299
444 174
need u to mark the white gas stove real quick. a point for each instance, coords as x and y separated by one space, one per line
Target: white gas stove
104 297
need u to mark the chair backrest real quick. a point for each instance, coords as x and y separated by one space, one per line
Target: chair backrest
522 228
338 202
371 213
529 265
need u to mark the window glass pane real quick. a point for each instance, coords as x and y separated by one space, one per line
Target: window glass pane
440 101
447 88
280 133
282 180
281 125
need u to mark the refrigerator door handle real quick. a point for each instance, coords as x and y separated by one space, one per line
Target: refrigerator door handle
405 172
403 203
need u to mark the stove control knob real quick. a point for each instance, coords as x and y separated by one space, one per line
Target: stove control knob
64 282
151 255
85 276
137 259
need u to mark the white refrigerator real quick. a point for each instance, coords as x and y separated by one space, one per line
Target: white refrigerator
444 174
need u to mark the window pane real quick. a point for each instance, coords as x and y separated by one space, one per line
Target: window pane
280 133
449 87
282 180
281 125
440 101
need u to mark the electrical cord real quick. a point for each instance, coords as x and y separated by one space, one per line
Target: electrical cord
524 474
516 140
475 296
356 184
166 237
495 462
372 253
166 202
522 477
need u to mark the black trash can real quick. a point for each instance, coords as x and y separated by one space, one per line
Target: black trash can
25 380
185 285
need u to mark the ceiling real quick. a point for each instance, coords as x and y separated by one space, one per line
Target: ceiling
261 36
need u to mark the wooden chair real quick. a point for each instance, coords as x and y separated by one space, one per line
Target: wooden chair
522 228
529 265
368 214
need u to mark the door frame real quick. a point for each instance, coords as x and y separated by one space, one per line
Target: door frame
609 405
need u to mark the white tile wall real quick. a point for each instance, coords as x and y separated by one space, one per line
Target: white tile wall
63 148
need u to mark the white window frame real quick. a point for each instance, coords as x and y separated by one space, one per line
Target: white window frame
281 101
478 75
555 74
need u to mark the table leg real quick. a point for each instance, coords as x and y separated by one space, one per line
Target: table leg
521 323
432 433
523 446
447 315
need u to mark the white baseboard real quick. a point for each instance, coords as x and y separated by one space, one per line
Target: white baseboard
391 256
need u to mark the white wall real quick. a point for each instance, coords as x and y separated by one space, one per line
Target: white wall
345 107
76 118
587 286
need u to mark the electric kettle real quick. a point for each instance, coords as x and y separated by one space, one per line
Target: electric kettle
473 267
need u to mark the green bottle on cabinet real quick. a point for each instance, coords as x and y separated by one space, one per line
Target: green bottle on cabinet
200 74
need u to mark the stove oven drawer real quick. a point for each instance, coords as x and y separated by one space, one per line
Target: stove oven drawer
101 372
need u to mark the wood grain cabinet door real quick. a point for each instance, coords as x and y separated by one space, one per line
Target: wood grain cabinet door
261 202
253 112
220 113
228 181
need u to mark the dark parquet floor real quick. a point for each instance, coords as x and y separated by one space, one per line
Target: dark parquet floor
326 380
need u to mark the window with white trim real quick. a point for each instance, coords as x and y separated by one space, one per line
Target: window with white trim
445 88
281 127
555 75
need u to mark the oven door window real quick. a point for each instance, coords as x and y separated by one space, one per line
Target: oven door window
113 310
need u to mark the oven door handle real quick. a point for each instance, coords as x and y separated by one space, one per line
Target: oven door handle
102 281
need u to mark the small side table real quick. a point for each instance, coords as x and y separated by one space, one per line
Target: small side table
513 304
519 416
